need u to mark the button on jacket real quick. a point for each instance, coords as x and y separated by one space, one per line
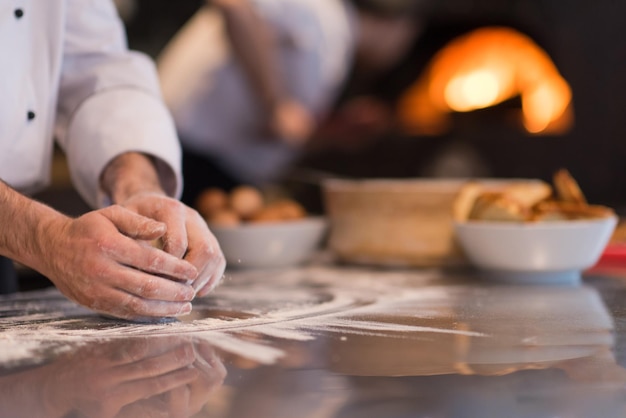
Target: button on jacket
66 74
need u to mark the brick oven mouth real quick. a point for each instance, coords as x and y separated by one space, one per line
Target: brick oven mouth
483 68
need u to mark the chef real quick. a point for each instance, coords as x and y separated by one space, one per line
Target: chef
68 76
246 107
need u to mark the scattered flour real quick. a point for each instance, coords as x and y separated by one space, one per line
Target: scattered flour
290 305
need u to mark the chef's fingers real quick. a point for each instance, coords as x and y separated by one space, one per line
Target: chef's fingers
212 275
129 252
134 225
137 296
211 280
150 287
173 213
205 253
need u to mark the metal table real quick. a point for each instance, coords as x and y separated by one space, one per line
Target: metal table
328 341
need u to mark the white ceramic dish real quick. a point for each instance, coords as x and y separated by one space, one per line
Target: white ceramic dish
535 252
275 244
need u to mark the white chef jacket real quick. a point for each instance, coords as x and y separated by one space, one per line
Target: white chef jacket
66 73
215 110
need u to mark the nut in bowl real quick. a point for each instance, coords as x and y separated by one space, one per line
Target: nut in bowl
527 231
255 233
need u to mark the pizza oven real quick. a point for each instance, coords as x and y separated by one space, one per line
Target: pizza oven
507 89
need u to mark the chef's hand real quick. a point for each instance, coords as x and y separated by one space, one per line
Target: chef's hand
187 237
101 261
131 181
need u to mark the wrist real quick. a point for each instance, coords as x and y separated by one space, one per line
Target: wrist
130 174
28 240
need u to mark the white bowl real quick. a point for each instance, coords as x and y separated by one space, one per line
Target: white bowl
537 251
275 244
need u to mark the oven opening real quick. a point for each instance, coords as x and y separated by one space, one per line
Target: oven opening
486 67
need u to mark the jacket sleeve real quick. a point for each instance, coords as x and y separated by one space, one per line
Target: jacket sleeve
109 102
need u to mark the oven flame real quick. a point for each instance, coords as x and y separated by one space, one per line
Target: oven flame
485 68
475 90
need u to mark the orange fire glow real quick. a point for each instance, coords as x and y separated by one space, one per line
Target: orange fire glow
484 68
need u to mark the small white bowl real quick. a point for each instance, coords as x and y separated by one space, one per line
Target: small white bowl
271 244
555 251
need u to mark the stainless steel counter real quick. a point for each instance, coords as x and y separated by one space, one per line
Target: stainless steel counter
326 341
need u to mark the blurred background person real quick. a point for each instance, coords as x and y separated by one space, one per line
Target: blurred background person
250 81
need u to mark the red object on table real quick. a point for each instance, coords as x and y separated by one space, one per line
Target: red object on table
614 253
613 259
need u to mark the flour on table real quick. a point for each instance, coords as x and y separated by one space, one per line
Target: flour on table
294 305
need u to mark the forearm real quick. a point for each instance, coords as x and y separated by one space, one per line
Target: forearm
129 174
24 225
253 45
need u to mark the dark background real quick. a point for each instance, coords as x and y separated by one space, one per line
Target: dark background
586 40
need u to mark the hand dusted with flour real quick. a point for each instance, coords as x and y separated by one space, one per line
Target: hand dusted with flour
132 182
99 259
73 81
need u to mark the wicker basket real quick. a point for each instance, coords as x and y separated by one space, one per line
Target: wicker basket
393 222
